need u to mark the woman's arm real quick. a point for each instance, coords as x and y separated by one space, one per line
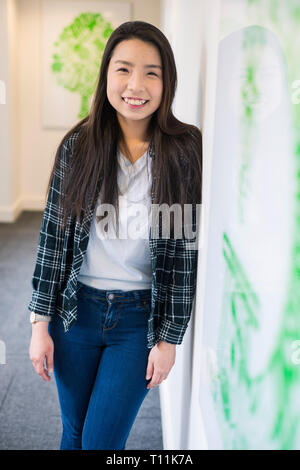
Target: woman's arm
45 280
181 290
180 295
160 361
41 350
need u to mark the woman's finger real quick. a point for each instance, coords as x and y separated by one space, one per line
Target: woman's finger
156 380
40 370
49 362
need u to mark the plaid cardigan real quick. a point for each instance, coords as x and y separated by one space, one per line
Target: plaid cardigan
61 252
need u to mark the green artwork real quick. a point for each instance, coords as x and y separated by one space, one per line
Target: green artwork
78 54
254 42
237 394
260 410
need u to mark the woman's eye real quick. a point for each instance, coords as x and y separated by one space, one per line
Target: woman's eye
126 70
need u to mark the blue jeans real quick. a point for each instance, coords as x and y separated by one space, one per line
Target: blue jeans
100 367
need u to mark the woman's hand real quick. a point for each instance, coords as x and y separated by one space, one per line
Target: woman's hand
41 349
160 361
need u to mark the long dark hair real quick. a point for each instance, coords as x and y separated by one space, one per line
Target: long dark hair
177 146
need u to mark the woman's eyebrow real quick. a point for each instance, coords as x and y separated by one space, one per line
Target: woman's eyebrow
145 66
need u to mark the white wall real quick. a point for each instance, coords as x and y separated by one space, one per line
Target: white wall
27 150
4 110
192 29
180 23
209 59
9 158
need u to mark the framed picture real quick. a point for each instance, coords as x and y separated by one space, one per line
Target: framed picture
74 36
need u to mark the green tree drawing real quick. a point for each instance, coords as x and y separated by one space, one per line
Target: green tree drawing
78 54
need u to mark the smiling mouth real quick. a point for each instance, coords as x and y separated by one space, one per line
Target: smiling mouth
135 105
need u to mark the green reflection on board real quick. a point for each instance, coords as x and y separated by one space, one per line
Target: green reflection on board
246 417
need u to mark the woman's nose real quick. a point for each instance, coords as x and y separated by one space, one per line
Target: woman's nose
135 82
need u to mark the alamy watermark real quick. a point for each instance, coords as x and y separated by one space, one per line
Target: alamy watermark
135 221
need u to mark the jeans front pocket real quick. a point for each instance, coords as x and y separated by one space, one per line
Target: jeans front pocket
144 305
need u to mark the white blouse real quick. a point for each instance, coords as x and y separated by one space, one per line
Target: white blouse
121 259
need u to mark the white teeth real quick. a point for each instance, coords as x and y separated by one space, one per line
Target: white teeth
136 102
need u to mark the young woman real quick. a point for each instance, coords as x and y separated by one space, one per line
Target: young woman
118 305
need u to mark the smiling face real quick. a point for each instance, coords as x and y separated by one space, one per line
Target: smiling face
135 71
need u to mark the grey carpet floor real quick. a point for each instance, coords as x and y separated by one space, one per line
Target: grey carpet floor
29 408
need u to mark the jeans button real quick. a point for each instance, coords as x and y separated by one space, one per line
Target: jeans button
110 296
